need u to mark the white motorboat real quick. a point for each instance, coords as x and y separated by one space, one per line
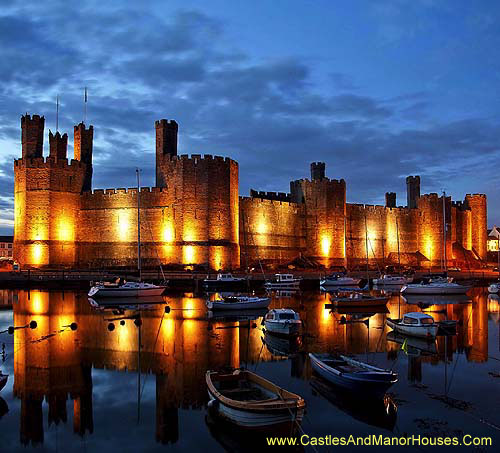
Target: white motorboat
250 401
415 324
223 280
127 289
282 321
494 288
339 280
238 303
437 286
386 280
284 281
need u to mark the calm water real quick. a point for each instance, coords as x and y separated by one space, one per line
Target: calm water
81 389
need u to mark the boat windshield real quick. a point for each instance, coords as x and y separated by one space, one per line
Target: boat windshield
426 321
287 316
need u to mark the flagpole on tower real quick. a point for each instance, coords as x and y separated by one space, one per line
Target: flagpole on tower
85 106
57 113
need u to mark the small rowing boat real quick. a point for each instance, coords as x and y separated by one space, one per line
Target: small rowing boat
238 303
352 374
339 280
250 401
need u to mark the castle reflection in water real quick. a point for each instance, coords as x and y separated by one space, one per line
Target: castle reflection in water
54 363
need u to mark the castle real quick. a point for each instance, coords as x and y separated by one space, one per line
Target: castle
195 216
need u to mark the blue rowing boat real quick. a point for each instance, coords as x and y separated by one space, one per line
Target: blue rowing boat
353 375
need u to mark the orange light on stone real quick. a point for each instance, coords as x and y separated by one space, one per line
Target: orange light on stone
189 254
262 227
123 225
37 254
65 230
168 233
326 243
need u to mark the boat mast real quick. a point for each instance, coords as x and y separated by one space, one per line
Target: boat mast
444 231
366 245
399 254
139 223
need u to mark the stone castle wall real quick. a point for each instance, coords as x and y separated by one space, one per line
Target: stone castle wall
194 216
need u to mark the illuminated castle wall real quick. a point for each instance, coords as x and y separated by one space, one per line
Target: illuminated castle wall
194 215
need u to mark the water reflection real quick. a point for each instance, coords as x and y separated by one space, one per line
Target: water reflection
53 363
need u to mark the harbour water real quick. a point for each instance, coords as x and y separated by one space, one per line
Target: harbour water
91 379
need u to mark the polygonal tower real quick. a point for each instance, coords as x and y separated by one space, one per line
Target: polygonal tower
166 146
479 223
83 145
46 199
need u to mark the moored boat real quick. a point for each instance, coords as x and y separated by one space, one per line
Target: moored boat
126 289
250 401
395 280
339 280
284 281
415 324
360 300
438 286
282 321
223 280
352 374
238 303
494 288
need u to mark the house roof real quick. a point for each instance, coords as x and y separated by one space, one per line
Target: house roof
494 233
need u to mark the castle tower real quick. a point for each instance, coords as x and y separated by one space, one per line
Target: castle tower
83 145
412 191
317 171
166 144
58 145
390 199
479 223
32 135
324 202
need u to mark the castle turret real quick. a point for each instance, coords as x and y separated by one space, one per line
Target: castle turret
83 145
390 199
32 135
317 171
166 144
412 191
479 223
58 145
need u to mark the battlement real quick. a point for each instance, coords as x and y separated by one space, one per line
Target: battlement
121 190
267 202
172 124
476 195
378 208
279 196
325 181
198 159
49 163
26 119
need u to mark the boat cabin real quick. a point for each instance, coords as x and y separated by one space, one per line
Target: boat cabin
225 277
418 319
284 278
283 314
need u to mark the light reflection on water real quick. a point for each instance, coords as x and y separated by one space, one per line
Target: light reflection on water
80 388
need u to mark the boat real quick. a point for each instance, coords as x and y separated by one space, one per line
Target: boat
281 346
359 300
3 380
395 280
415 324
381 413
238 303
435 286
339 280
250 401
353 375
282 321
126 289
285 281
494 288
129 289
225 280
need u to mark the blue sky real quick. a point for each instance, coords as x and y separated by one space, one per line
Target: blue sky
377 90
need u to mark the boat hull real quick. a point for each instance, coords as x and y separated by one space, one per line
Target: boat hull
128 292
262 302
415 331
429 289
282 285
341 282
370 386
282 328
377 302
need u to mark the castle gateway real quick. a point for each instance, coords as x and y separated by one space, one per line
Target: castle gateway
195 216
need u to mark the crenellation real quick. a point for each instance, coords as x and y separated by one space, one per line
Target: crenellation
195 216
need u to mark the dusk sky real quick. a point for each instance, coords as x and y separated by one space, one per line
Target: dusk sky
377 90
